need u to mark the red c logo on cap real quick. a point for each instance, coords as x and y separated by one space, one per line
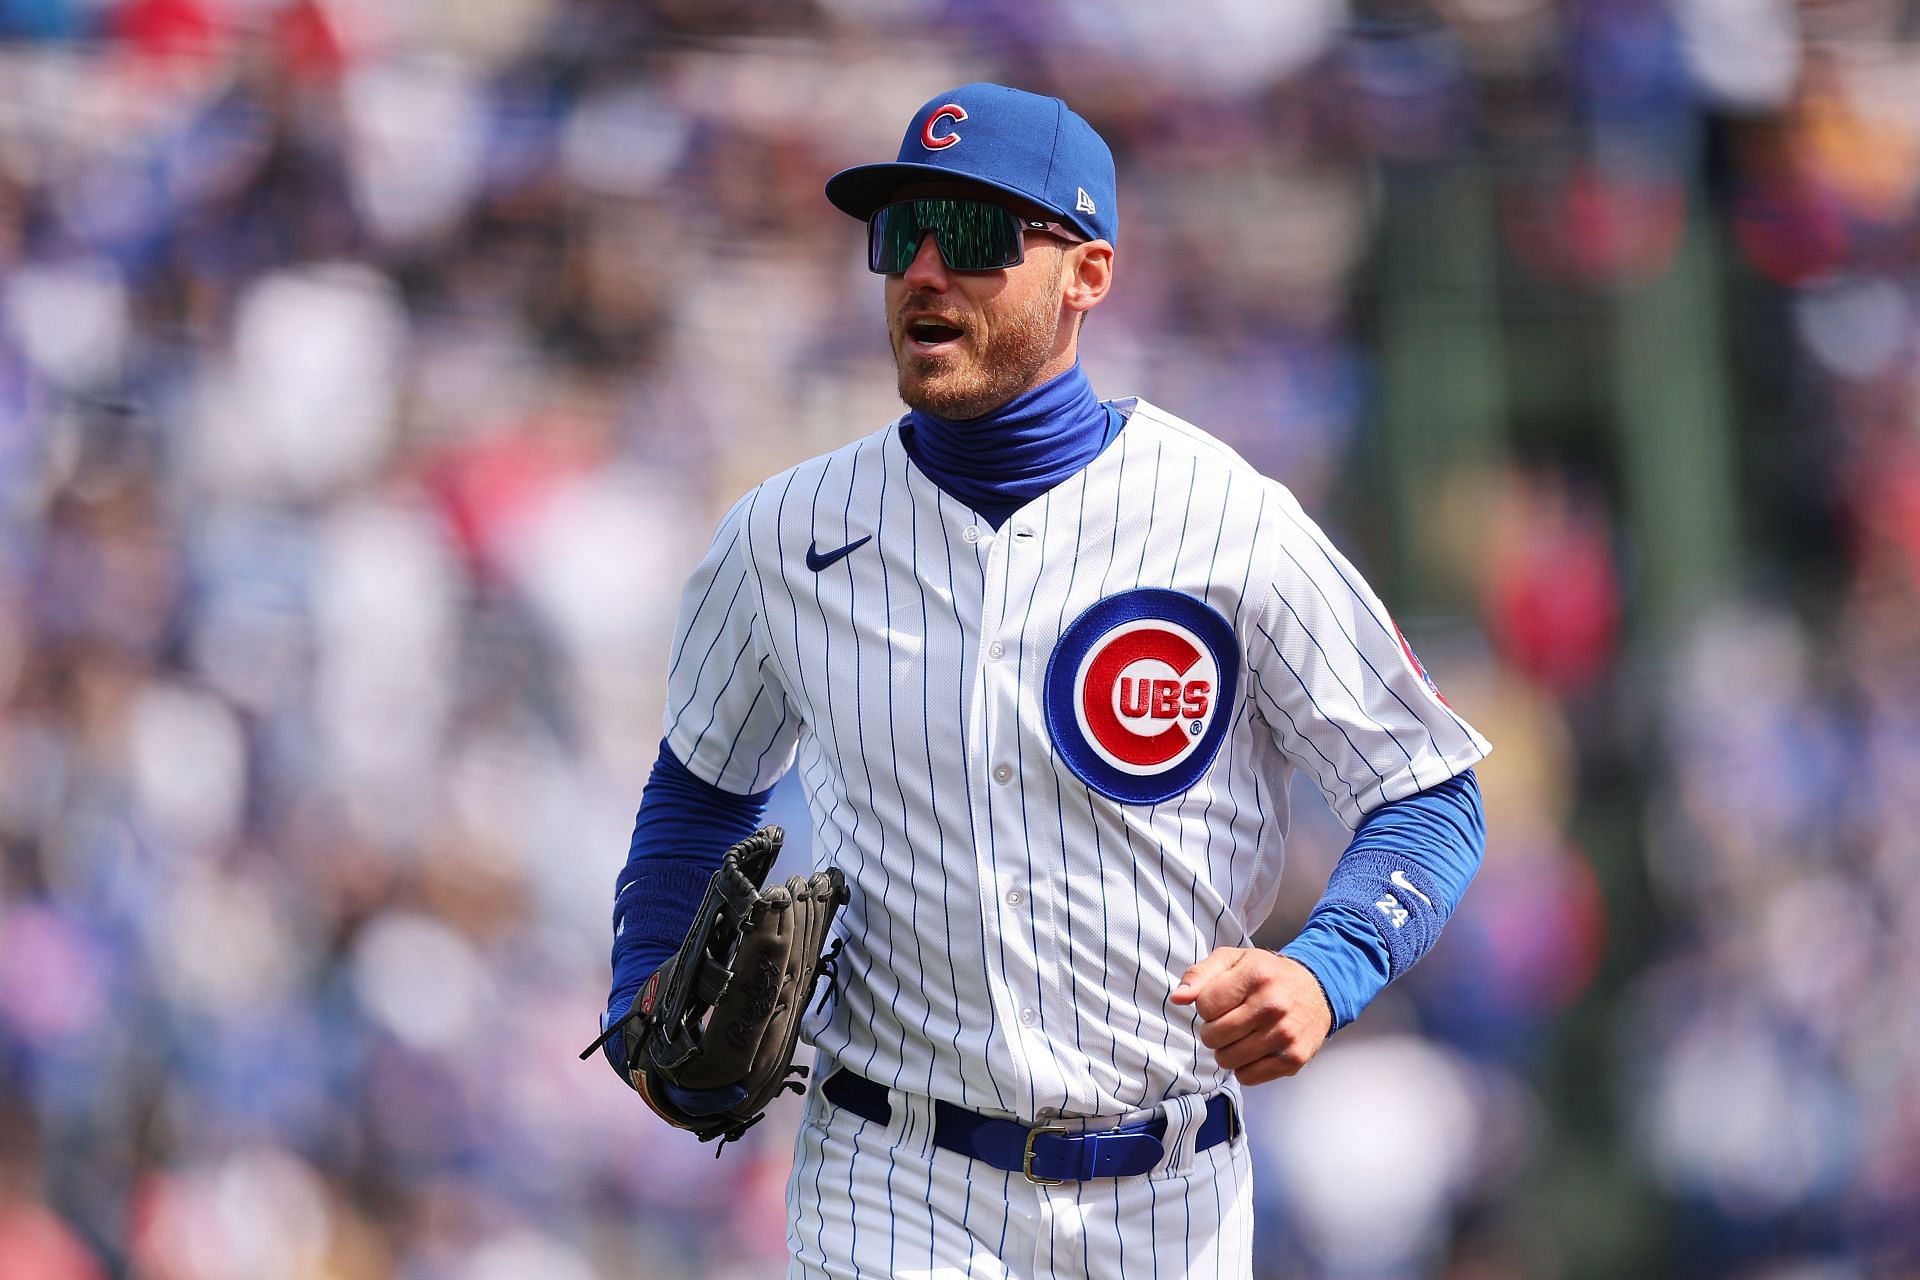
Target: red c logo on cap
953 112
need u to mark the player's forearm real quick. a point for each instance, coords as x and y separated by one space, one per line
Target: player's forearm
684 827
1393 889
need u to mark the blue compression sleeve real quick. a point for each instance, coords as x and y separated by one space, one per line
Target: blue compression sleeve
684 827
1400 878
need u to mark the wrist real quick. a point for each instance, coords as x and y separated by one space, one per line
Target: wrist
1333 1018
1345 956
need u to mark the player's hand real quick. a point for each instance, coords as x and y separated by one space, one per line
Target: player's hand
1263 1014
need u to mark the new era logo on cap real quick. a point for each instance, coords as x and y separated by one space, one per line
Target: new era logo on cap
1021 143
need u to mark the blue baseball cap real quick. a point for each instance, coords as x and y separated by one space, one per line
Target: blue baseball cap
1008 139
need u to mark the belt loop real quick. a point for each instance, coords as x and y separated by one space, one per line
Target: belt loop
1184 1115
903 1117
912 1126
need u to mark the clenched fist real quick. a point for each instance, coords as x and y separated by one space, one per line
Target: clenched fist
1263 1014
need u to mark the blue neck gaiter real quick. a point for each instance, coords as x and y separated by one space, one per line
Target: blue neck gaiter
999 462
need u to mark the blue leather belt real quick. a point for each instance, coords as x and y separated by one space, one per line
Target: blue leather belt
1043 1153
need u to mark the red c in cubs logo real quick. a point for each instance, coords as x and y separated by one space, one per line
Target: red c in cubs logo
1145 693
931 141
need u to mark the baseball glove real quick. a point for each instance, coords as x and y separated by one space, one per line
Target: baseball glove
709 1038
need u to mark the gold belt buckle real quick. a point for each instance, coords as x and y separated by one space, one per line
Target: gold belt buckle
1026 1154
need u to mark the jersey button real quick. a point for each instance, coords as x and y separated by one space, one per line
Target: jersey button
1015 897
1003 773
971 533
1029 1017
996 650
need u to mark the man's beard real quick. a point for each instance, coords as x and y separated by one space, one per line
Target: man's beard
1019 349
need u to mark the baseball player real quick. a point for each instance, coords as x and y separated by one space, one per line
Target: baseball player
1047 664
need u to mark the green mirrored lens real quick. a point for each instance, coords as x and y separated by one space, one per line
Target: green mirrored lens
972 235
893 238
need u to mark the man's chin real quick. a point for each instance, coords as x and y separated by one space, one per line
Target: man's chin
940 396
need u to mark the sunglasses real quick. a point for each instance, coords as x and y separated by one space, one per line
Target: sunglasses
972 235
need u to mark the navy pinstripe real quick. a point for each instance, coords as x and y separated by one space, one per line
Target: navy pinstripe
1354 748
1359 590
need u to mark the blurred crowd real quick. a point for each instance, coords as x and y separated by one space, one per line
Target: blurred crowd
371 374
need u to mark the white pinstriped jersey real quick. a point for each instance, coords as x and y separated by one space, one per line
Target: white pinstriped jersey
1052 759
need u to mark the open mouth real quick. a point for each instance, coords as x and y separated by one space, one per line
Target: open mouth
926 335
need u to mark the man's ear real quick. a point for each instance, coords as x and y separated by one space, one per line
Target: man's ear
1088 275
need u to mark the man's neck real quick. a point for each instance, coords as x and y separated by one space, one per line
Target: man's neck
1002 460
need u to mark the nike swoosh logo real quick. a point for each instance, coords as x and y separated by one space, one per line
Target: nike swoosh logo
1400 881
817 561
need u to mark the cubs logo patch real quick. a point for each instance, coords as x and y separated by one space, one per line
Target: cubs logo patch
1140 692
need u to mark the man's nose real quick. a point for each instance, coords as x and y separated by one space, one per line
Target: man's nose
928 270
